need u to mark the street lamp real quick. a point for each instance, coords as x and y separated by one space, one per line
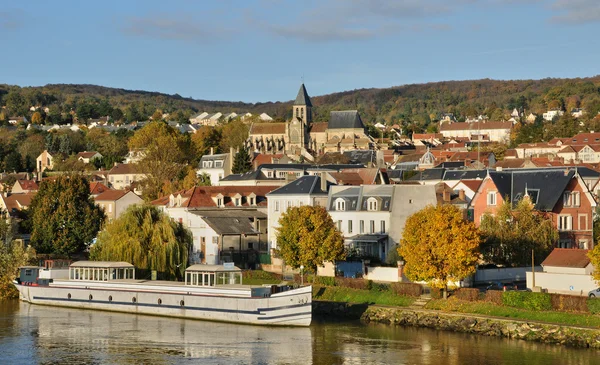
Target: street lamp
302 275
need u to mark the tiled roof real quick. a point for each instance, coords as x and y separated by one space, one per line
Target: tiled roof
87 154
111 195
122 169
267 128
472 184
18 201
97 188
567 257
262 158
511 163
347 178
511 152
28 184
475 126
202 196
318 127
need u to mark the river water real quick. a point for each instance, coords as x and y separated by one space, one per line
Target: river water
31 334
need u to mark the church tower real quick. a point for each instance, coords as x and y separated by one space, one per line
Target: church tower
301 120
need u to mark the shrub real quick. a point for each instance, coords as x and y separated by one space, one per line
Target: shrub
436 293
380 287
468 294
593 305
324 280
259 274
410 289
527 300
493 296
351 283
569 303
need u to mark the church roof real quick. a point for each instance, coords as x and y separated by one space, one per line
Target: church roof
345 119
302 98
267 128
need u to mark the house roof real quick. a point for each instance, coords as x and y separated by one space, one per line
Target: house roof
87 154
262 158
28 184
318 127
471 184
474 126
122 169
567 257
202 196
18 201
512 184
304 185
347 178
511 152
464 174
345 119
267 128
111 195
230 225
97 188
511 163
302 98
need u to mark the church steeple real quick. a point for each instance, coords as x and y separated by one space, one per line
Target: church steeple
302 107
303 98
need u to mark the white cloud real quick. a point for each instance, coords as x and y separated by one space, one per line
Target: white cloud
576 11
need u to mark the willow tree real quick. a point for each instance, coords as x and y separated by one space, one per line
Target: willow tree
147 238
439 245
511 235
307 236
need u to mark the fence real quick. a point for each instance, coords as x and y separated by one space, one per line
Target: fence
574 284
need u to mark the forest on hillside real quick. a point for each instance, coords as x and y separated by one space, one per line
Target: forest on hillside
417 104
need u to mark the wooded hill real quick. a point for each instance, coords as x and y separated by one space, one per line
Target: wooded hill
417 104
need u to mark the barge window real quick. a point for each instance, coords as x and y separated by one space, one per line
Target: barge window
182 303
110 298
91 297
69 296
134 299
159 301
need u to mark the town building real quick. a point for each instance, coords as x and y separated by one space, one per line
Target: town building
88 156
123 175
44 161
115 202
483 131
217 166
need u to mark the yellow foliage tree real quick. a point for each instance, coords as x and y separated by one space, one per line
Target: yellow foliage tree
439 245
36 118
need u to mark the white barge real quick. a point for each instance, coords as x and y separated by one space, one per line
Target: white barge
210 292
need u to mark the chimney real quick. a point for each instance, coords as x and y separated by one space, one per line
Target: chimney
446 196
231 156
212 151
324 181
461 194
498 168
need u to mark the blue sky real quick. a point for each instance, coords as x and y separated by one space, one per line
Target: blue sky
260 50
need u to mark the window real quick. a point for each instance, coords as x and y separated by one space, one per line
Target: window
269 174
491 198
218 163
372 204
127 179
362 226
219 202
252 200
382 227
339 225
564 243
277 205
288 204
571 199
238 202
350 226
340 204
110 208
207 164
565 222
372 226
281 174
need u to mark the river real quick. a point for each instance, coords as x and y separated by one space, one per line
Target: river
31 334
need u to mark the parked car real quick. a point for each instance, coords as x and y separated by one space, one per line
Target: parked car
594 293
502 286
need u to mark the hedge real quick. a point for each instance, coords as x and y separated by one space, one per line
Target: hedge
569 303
493 296
410 289
593 305
527 300
470 294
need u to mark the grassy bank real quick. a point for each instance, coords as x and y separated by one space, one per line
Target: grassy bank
490 309
349 295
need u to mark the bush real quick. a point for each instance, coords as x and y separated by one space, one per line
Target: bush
324 280
468 294
569 303
527 300
260 274
352 283
380 287
593 305
436 293
493 296
410 289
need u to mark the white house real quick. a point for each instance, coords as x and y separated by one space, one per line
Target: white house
495 131
216 166
88 156
551 114
306 190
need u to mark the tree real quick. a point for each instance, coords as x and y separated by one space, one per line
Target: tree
511 234
146 237
205 138
157 115
13 162
12 255
241 162
234 133
307 236
36 118
166 152
64 217
193 179
439 245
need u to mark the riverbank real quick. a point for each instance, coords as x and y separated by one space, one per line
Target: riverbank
548 333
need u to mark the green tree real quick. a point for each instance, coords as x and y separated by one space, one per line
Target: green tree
510 235
234 133
146 237
439 245
12 255
204 139
13 162
307 236
241 162
64 217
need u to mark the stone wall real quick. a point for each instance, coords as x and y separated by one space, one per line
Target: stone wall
466 323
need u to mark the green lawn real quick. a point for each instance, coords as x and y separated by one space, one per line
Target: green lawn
490 309
342 294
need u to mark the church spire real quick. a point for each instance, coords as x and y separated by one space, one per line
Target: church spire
303 98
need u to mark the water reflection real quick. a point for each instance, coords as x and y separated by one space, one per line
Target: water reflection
48 335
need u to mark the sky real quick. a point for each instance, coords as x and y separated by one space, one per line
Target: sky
261 50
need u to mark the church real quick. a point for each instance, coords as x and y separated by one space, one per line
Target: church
299 136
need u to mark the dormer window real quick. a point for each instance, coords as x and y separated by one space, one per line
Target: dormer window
237 200
171 200
372 204
218 163
252 199
340 204
219 200
207 164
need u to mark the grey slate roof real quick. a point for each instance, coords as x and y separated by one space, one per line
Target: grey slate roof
301 186
302 98
544 187
428 174
229 225
361 156
464 174
356 197
345 119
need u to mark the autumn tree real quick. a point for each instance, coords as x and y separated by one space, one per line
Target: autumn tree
158 115
64 217
234 133
147 238
36 118
205 138
241 162
510 235
166 151
12 255
307 236
439 245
